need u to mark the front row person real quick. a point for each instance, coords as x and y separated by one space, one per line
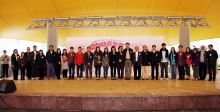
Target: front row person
120 62
50 57
155 61
5 61
212 58
105 62
57 64
173 62
22 65
98 62
145 63
64 61
88 58
112 62
137 63
195 63
181 62
14 64
41 64
79 62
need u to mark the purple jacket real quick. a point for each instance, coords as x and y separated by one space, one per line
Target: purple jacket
195 59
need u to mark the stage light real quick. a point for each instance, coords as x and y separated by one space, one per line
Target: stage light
142 17
43 19
174 17
125 17
109 17
189 17
61 18
76 18
158 17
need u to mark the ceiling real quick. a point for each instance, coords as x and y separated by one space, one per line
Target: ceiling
16 16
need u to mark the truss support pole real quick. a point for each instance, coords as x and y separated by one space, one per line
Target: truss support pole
184 36
52 36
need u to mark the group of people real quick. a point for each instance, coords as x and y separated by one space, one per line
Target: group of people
116 59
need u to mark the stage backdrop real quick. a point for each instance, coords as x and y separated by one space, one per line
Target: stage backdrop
103 42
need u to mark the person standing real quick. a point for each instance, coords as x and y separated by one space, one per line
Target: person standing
27 55
137 63
88 62
188 62
202 63
120 62
64 61
128 61
98 62
113 62
5 61
181 62
212 58
155 61
22 65
57 64
71 56
164 61
51 58
34 54
14 64
41 64
145 63
173 62
105 63
195 63
79 61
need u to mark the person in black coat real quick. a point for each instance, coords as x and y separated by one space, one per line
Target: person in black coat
212 57
22 65
137 63
155 61
41 64
50 57
88 58
57 64
34 54
127 52
113 62
120 62
27 55
145 63
14 64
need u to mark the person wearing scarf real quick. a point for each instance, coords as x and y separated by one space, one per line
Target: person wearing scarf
173 62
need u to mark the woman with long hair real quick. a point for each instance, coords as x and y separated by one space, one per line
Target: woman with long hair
57 64
173 62
64 61
98 62
188 62
22 64
105 62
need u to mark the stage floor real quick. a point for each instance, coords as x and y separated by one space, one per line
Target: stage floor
117 87
113 95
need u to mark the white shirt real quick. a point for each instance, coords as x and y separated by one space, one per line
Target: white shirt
202 56
164 59
136 53
35 55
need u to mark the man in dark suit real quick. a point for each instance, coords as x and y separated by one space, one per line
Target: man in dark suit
155 61
212 59
137 63
33 55
127 52
27 55
14 64
202 63
88 57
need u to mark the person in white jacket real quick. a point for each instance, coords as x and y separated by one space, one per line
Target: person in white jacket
64 61
5 64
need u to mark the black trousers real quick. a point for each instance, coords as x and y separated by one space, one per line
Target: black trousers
212 71
97 71
113 70
29 70
58 69
80 70
120 69
154 64
22 73
181 72
5 70
137 68
88 71
15 71
65 73
41 73
187 68
202 70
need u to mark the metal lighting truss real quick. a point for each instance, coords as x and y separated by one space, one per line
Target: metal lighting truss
119 22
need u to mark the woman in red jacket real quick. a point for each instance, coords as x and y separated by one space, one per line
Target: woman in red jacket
188 62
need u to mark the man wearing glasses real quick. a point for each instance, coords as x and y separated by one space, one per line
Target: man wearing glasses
28 65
